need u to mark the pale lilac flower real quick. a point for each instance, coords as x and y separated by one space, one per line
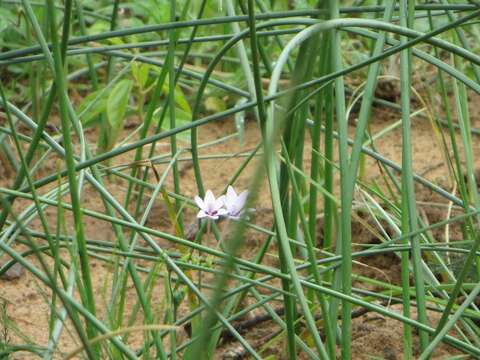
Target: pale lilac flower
234 204
210 207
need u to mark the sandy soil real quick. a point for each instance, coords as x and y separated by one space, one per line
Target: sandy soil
374 336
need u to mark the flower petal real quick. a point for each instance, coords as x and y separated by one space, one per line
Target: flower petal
209 197
209 201
202 214
230 198
219 202
231 193
199 202
222 212
242 198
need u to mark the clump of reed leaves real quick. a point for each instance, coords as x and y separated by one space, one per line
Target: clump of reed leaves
136 59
